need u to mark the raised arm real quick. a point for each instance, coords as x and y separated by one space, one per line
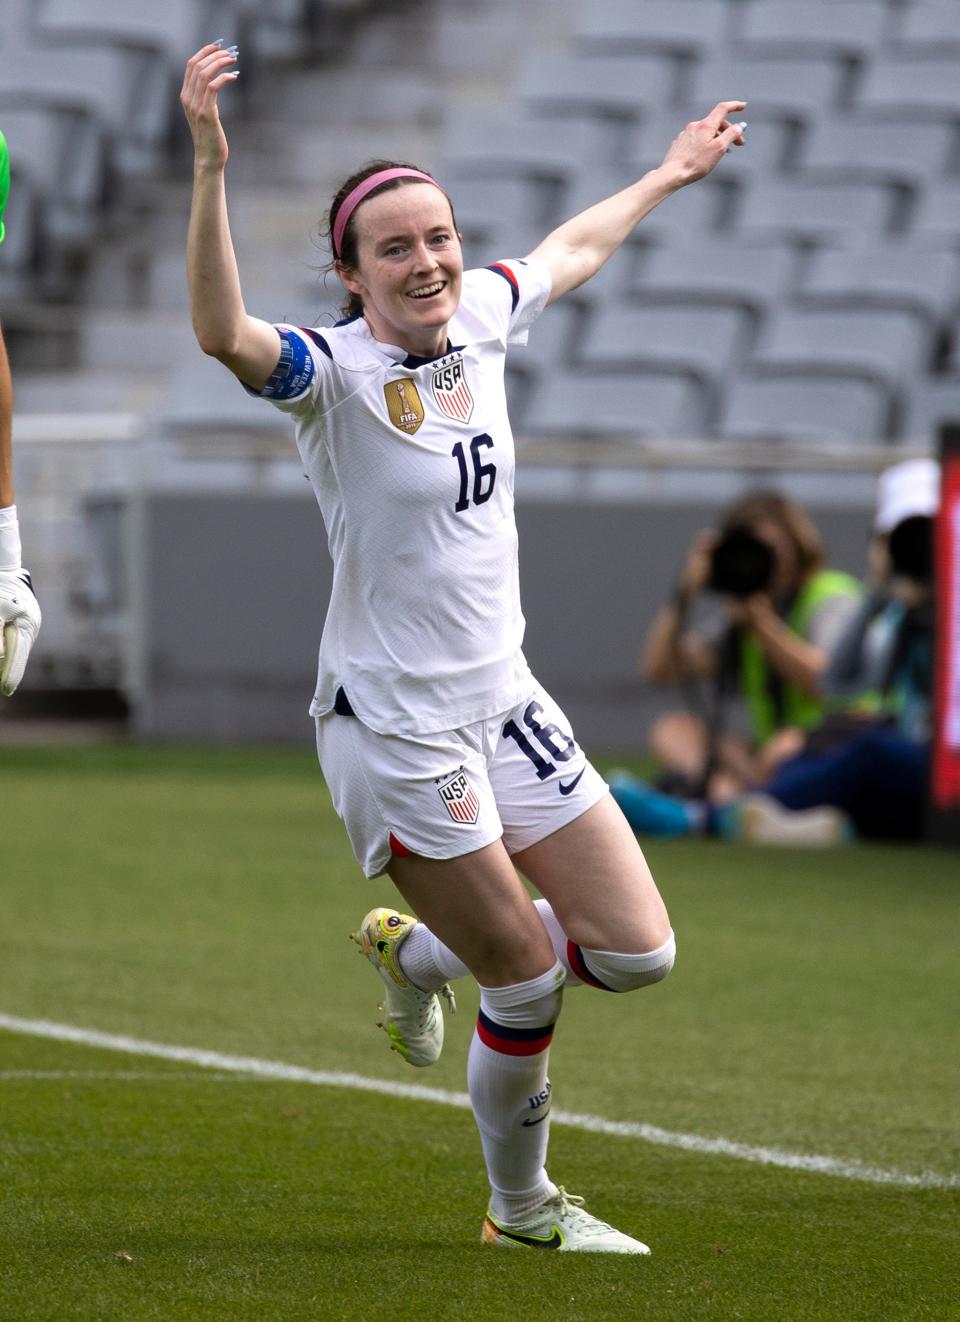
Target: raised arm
577 249
248 346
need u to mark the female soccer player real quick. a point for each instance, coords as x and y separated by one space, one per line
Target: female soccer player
452 769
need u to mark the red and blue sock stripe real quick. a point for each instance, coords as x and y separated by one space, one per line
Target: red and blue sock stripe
513 1041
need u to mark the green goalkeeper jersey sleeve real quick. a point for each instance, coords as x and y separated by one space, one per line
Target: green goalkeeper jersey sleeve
4 180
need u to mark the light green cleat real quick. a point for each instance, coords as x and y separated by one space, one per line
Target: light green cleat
412 1018
559 1222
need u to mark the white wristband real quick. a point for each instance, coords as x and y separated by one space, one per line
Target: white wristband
9 538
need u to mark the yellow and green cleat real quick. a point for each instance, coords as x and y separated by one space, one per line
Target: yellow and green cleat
412 1017
560 1222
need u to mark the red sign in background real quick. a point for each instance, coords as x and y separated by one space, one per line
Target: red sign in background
945 770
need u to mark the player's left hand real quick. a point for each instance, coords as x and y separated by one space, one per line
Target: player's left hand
697 148
19 626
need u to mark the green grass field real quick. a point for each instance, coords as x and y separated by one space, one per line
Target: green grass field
203 899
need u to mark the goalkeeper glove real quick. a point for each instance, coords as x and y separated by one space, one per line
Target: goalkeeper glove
19 611
20 624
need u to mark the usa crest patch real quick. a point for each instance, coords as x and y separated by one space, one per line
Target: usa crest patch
459 797
451 391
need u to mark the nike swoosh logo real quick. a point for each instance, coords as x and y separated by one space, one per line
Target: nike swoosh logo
528 1124
568 789
534 1241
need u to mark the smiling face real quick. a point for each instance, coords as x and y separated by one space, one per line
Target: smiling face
409 267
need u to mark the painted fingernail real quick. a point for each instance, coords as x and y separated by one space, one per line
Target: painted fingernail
219 41
742 125
233 50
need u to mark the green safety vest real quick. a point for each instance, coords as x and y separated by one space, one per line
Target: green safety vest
799 708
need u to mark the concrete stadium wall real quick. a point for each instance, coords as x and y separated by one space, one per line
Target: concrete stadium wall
229 594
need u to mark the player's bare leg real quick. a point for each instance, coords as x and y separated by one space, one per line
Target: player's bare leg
597 881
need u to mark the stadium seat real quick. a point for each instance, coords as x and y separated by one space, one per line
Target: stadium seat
931 402
171 29
616 87
638 405
804 407
886 150
894 276
495 144
205 397
815 213
851 30
716 271
482 205
917 88
704 342
926 29
934 221
796 90
886 347
61 158
680 28
127 92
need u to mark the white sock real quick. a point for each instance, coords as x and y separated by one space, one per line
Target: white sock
428 963
509 1089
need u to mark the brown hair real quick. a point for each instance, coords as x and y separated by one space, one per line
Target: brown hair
348 244
795 522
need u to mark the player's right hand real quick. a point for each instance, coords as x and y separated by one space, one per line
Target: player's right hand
19 626
205 74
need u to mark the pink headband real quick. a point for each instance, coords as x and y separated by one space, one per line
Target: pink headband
353 199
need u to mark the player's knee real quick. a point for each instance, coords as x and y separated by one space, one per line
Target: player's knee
621 973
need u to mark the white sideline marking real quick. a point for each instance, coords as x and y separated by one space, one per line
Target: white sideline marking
254 1067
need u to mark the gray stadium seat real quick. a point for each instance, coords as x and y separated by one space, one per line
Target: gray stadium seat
849 30
482 205
98 82
61 158
611 86
887 347
205 397
171 29
814 213
890 277
797 90
931 402
927 29
807 408
680 28
705 342
127 92
919 88
717 271
502 145
935 220
642 405
887 150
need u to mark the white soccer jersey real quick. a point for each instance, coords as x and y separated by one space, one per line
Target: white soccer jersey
412 463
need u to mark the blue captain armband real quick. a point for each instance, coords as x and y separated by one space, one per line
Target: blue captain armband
294 370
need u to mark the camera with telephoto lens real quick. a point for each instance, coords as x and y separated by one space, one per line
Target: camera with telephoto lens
911 549
741 564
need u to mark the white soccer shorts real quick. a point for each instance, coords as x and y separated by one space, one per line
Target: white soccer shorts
519 775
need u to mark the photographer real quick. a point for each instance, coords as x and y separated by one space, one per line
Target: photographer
873 764
784 613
